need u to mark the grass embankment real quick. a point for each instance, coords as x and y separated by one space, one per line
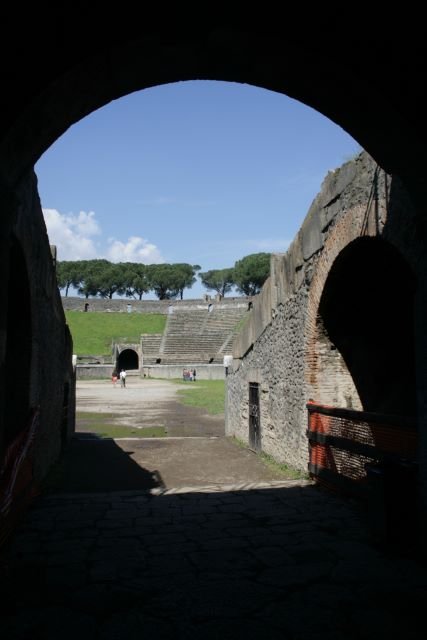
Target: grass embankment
288 472
93 332
206 394
103 425
280 467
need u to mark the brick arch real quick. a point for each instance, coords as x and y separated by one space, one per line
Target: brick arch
360 339
346 230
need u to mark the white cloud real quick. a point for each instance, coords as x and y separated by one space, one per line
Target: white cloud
72 233
136 249
73 236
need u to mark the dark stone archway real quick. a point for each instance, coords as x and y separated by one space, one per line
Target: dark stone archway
128 360
360 76
367 313
334 74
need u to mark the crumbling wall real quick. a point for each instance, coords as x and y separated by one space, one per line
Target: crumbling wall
290 355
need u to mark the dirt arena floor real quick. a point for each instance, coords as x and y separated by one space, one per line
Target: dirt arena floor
147 403
194 453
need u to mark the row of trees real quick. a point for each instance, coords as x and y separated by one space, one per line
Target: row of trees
131 279
247 276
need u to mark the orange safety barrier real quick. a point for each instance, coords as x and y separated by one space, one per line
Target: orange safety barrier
344 443
17 487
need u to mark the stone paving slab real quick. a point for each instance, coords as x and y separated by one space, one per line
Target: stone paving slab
260 560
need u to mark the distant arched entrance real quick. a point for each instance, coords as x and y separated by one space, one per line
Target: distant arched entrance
18 347
128 359
365 330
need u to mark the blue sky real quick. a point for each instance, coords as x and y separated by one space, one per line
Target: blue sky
199 172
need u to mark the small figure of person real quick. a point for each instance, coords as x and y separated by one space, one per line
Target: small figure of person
194 375
114 377
123 378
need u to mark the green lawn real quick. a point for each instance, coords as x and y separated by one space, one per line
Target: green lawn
93 332
207 394
103 425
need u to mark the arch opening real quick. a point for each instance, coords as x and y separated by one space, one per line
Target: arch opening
128 359
365 330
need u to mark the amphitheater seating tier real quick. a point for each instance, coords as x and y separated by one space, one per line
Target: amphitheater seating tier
151 347
196 336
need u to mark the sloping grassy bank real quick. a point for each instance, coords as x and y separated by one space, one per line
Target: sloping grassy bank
93 332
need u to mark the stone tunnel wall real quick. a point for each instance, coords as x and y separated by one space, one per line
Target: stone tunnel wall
50 377
283 346
274 362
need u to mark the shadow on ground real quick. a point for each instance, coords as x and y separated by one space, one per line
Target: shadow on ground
292 563
95 464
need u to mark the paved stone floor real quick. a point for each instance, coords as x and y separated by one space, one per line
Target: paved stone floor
270 560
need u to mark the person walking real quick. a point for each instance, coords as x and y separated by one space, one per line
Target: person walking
114 377
123 378
194 375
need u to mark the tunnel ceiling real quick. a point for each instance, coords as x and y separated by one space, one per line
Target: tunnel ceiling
71 65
